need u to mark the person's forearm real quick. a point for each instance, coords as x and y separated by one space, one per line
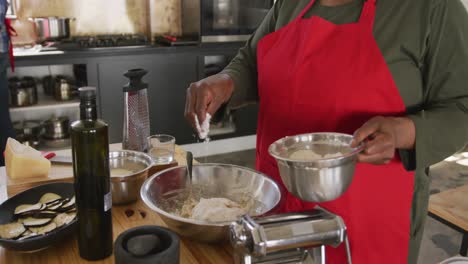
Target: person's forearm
405 132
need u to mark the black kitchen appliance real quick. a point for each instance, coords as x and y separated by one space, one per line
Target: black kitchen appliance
231 20
101 41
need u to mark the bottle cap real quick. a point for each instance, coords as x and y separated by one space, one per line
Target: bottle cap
87 93
135 84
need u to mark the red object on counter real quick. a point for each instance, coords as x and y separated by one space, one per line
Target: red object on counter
48 155
11 32
170 38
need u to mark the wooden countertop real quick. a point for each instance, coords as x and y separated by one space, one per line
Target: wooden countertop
66 252
452 206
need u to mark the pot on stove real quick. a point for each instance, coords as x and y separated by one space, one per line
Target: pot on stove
52 28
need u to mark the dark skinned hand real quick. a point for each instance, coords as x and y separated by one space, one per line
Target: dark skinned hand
382 136
206 96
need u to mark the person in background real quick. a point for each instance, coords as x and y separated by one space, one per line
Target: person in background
392 72
6 128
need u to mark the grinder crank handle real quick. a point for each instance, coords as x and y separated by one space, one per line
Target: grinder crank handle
348 249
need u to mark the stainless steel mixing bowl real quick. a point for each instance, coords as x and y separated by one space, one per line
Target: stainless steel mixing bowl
317 180
217 180
126 188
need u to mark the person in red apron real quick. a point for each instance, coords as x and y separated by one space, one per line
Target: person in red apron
317 76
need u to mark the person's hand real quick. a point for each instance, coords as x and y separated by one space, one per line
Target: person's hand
381 136
206 96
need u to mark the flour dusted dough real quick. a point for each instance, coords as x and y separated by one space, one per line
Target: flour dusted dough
217 210
308 154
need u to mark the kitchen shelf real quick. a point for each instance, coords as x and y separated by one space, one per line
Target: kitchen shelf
46 102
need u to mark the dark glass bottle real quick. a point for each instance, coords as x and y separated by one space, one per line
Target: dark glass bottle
90 149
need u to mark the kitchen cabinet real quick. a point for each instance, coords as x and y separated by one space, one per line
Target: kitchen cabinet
168 77
170 72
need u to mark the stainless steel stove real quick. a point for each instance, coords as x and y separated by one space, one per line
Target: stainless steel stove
101 41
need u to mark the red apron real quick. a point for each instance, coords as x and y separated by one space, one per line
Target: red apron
11 32
316 76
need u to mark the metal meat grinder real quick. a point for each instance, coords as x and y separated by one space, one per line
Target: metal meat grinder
288 238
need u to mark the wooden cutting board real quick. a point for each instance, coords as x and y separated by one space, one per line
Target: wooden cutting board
64 172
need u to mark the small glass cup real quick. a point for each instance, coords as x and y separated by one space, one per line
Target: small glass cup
161 148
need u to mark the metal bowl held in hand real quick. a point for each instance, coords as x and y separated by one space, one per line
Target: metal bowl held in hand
317 179
215 180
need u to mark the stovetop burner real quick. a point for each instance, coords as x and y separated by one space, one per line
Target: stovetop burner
102 41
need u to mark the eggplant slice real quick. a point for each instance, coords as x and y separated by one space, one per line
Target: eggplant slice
24 208
55 206
11 230
70 204
49 198
29 235
64 219
36 222
43 229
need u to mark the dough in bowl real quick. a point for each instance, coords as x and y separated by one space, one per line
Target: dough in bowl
308 154
217 210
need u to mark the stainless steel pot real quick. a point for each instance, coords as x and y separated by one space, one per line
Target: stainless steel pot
52 28
28 132
23 92
64 89
57 128
126 188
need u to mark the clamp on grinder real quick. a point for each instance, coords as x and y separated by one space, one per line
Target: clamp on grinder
301 237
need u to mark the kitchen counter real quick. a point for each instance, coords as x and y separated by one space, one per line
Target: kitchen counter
84 56
66 252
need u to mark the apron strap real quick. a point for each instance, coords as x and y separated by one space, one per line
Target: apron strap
368 13
309 5
11 32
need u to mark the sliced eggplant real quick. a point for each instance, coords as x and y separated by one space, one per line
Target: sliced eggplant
45 214
54 206
25 233
49 198
29 235
11 230
43 229
59 201
24 208
73 210
70 204
36 222
71 217
64 219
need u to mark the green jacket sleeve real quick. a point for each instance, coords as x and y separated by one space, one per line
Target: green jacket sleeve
442 124
243 68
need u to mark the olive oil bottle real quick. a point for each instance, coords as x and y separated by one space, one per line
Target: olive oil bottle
90 150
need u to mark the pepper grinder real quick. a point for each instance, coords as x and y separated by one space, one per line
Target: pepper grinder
136 127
